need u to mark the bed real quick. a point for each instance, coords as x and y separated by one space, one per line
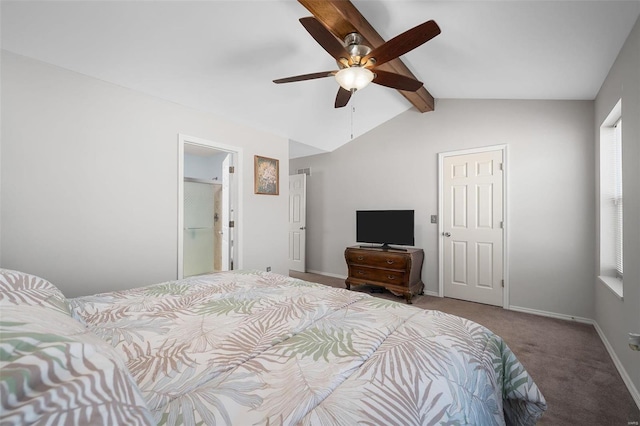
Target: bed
249 348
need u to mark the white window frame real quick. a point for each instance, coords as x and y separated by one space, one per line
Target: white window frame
618 199
610 196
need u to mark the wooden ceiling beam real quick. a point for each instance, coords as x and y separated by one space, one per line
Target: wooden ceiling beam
341 18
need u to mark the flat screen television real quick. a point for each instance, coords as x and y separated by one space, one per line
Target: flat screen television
385 227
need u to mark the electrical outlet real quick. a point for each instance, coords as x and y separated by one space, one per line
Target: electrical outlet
268 268
634 341
434 218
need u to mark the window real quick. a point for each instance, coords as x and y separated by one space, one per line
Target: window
617 194
611 201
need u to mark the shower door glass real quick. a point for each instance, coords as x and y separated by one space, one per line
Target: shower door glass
198 233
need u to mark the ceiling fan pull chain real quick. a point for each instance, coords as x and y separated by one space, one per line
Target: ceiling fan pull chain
353 110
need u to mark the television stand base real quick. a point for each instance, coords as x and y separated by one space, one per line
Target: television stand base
384 247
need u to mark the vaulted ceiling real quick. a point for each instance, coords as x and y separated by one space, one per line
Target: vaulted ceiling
221 56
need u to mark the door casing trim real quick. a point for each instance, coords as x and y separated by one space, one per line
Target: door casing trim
505 216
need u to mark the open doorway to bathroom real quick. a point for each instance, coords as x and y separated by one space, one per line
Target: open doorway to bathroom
208 209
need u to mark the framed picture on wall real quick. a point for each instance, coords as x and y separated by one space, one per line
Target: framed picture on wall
266 175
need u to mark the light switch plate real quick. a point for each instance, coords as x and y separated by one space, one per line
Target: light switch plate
634 341
434 218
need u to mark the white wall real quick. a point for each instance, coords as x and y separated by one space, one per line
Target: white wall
550 207
617 317
89 179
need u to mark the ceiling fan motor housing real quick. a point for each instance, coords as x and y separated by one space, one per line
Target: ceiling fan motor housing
355 49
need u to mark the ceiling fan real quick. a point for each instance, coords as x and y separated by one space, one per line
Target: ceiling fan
358 63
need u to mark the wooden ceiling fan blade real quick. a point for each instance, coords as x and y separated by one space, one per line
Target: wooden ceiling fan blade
403 43
342 98
396 81
324 38
305 77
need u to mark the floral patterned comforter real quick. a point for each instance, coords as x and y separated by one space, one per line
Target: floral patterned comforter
256 348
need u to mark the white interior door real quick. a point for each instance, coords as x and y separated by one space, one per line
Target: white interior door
472 225
226 214
297 222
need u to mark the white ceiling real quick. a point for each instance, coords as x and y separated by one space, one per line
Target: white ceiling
221 56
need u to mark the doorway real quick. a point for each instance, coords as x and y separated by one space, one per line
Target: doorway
208 207
472 231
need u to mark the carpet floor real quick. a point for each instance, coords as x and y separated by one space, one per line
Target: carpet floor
566 359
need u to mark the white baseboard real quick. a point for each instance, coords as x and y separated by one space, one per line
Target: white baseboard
431 293
616 361
328 274
550 314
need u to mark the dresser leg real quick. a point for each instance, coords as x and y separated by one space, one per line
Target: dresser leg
346 283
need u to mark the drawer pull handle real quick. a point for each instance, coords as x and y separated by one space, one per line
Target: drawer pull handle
390 262
391 277
360 257
361 272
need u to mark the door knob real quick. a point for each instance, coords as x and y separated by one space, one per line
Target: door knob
303 228
446 234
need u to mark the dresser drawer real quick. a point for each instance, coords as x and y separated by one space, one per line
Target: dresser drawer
378 260
377 275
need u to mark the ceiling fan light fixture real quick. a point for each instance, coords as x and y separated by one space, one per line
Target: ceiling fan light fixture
354 78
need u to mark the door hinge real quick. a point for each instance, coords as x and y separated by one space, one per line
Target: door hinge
501 225
501 166
232 224
232 169
502 283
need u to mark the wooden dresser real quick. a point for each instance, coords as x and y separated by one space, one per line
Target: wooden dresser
398 271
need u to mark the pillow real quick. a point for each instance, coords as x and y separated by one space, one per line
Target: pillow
54 370
18 288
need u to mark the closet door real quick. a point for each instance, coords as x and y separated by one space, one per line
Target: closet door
472 227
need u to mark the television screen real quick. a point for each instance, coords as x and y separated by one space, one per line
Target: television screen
385 227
